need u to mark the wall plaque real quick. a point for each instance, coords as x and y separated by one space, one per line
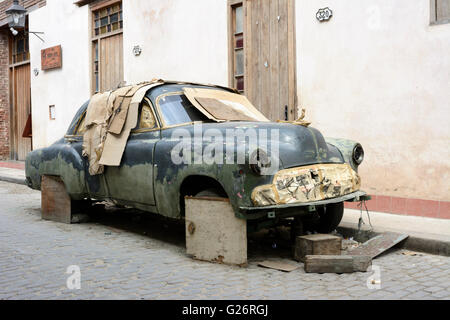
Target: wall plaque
51 58
324 14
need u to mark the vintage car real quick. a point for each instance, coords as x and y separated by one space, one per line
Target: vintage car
312 179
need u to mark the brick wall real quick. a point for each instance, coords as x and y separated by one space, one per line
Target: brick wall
25 3
4 96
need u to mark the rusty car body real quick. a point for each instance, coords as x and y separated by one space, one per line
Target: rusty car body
315 176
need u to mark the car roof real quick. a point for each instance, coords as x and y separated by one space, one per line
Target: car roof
158 89
171 82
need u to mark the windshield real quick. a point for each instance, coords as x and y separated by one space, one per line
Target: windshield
177 109
219 105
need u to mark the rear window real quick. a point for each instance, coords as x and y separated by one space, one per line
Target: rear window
177 109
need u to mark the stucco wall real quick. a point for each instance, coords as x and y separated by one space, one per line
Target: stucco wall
180 40
378 72
67 88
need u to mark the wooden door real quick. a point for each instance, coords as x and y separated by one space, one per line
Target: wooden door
111 62
21 109
270 57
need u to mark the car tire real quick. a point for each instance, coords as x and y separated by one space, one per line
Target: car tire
213 193
329 218
81 206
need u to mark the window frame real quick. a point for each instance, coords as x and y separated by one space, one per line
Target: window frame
13 53
434 20
157 120
164 125
96 57
108 16
79 122
138 130
232 77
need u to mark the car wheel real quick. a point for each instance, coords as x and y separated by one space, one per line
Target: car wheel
81 206
329 218
214 193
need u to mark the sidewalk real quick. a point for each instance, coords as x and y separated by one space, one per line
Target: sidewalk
429 235
425 234
12 171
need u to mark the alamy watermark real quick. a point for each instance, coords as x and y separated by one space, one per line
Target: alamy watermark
245 145
74 280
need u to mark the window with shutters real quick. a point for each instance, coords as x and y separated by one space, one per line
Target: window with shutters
107 45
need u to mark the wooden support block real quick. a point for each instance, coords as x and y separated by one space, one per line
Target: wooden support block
55 202
336 264
213 233
361 263
316 244
328 264
379 244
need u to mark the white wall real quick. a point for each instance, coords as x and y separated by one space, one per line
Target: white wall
180 40
67 88
377 72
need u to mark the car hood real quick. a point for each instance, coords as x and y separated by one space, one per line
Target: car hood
295 145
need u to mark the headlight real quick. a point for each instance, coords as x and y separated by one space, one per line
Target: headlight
358 154
258 161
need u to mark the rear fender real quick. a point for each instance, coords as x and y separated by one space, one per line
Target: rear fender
57 160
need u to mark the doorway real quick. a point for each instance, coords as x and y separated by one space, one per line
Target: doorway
262 55
20 97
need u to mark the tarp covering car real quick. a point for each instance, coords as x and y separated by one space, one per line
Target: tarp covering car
110 117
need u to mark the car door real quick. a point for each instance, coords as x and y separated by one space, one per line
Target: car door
132 182
95 185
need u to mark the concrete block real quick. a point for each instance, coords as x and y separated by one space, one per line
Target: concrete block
213 233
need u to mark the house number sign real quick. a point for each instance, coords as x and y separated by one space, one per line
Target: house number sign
324 14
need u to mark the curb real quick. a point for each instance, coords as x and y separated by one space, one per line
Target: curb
413 243
13 180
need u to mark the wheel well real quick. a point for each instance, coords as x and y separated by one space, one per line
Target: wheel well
194 184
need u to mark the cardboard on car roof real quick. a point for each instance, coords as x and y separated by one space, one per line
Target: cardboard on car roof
219 105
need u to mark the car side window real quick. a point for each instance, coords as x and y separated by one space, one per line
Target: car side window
147 119
80 128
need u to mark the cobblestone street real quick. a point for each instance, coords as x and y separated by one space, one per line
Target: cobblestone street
122 258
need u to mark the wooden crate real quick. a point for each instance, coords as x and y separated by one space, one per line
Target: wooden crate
55 202
213 233
316 244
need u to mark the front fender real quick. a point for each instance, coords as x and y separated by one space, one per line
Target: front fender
346 148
